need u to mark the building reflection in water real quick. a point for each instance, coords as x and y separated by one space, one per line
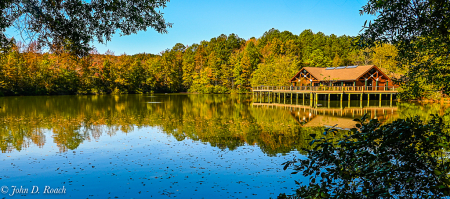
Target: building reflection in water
341 115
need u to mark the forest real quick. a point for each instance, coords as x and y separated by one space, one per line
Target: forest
224 64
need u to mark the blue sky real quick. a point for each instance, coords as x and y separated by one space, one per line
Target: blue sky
197 20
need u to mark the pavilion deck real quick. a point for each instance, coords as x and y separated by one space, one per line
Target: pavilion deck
279 94
328 89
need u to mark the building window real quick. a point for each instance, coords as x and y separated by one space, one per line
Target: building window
337 84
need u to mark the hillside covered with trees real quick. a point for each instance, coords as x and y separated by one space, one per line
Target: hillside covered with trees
225 64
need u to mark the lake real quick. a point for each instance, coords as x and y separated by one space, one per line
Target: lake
166 146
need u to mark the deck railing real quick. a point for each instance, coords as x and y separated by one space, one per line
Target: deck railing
326 88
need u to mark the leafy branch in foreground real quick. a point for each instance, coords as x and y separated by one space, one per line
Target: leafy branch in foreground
420 30
70 25
406 159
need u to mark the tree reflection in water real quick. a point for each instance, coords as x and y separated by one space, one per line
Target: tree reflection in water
223 121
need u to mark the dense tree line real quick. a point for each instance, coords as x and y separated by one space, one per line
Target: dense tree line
224 64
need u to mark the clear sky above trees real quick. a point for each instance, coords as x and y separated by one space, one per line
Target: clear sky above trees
197 20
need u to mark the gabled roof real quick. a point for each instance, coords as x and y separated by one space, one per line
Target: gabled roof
343 74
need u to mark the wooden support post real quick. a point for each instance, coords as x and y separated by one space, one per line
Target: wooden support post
391 100
279 98
349 100
314 99
379 100
284 98
265 97
329 98
291 97
317 99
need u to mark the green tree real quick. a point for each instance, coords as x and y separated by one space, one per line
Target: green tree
277 73
317 59
421 32
248 63
385 56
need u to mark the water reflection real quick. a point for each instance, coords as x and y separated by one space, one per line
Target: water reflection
223 121
330 114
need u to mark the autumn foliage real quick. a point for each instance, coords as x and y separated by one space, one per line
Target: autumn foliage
224 64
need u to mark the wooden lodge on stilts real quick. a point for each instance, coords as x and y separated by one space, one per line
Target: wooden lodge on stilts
359 82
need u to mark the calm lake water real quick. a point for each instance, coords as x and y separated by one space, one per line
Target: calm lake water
166 146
